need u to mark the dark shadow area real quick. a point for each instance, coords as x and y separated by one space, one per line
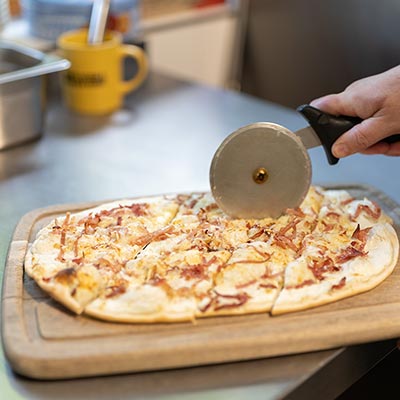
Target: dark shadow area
296 51
380 382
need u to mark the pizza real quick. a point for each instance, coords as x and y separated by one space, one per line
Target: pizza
179 257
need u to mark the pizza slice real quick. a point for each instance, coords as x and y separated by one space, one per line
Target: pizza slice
163 286
248 283
352 249
75 256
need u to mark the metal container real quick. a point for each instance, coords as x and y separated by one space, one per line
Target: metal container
22 92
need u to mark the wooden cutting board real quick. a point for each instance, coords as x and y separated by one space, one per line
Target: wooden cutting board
43 340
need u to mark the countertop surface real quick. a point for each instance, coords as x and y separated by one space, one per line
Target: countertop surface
163 142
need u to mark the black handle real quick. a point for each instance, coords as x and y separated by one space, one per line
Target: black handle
330 127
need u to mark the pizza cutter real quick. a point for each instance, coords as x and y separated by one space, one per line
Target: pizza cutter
263 168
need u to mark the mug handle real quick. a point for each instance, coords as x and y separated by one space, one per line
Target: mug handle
140 57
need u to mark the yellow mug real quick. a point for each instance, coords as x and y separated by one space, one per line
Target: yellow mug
94 84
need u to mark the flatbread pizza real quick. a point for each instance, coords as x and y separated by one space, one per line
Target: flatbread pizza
178 258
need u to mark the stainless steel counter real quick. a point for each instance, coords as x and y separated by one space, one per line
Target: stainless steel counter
163 142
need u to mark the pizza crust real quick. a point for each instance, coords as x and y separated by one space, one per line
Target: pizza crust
140 304
62 295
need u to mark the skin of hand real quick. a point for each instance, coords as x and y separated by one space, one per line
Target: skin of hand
376 100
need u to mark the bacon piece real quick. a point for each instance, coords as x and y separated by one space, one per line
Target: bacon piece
181 198
356 232
206 306
212 260
302 247
76 245
266 257
264 254
348 254
60 256
257 234
139 209
322 266
193 203
333 214
347 201
248 262
284 242
64 227
63 236
200 245
202 215
107 213
368 210
243 285
241 299
267 286
298 212
90 223
158 235
56 229
115 290
313 225
197 271
78 260
210 207
291 225
300 285
267 274
361 234
103 263
193 272
328 227
66 220
341 283
322 249
156 280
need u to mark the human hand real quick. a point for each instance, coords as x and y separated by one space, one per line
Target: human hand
376 100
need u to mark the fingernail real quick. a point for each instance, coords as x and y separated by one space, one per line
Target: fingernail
315 102
340 150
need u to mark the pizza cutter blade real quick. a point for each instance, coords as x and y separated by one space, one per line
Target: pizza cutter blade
262 169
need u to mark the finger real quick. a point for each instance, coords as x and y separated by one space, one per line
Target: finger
393 150
378 148
384 148
361 137
332 104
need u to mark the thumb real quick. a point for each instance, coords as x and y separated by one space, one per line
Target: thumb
361 137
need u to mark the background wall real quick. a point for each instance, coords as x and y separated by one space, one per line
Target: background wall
296 50
202 44
201 51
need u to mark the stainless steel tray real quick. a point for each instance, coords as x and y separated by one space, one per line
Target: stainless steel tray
19 62
22 92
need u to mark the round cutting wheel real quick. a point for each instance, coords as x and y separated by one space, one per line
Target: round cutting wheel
259 171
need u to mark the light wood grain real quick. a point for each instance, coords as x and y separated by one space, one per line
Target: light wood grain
43 340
